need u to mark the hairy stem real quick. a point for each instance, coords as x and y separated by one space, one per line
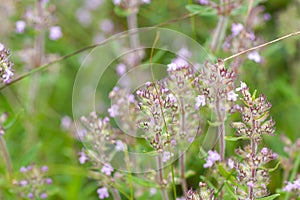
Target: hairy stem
219 32
182 173
6 156
182 154
161 178
116 194
221 129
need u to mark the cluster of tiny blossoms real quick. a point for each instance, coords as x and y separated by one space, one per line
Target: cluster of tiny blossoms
99 138
33 183
40 18
250 173
216 87
6 72
204 193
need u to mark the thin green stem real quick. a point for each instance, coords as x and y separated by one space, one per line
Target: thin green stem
129 173
293 174
6 156
173 182
161 178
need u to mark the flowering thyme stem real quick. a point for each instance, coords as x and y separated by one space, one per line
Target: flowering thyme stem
6 155
220 29
182 173
161 178
116 194
182 154
220 129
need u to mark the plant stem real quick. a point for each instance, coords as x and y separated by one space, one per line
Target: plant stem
6 156
253 170
116 194
182 173
221 129
182 154
293 174
161 178
127 160
173 182
220 29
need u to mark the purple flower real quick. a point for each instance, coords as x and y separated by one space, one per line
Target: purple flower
231 96
236 28
167 156
55 33
23 169
242 87
146 1
106 26
2 47
83 157
250 184
107 169
92 4
117 2
230 163
103 193
213 156
200 101
191 139
23 182
203 2
20 26
119 146
49 181
254 55
66 122
84 16
121 69
152 191
30 195
113 111
43 196
44 169
267 16
6 76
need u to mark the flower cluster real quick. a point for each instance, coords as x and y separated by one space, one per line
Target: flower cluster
33 183
205 193
254 115
213 156
215 84
40 18
292 186
253 163
6 72
123 109
239 40
159 108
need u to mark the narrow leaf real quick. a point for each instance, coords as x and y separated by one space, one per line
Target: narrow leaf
274 196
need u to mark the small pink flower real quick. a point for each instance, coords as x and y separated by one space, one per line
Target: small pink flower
107 169
83 157
103 193
55 33
254 55
231 96
236 28
200 101
20 26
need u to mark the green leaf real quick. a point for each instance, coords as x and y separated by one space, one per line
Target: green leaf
230 190
274 168
214 124
201 10
28 157
121 12
143 182
8 124
233 139
270 197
